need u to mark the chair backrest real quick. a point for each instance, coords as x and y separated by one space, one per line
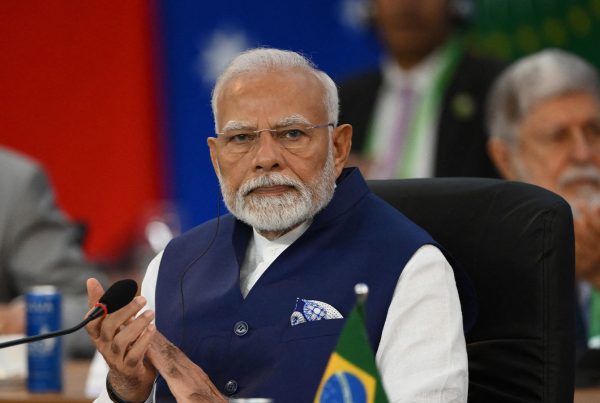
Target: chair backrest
516 243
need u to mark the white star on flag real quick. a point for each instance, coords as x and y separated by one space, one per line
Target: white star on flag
218 51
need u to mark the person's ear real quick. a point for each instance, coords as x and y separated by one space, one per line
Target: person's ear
212 146
502 155
342 142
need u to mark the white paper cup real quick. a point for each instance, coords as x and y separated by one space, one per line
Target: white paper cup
13 360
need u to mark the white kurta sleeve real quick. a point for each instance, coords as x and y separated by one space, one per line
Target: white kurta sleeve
422 353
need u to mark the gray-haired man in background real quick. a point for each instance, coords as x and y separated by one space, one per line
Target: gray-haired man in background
544 125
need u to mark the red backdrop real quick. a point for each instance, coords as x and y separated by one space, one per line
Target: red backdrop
77 92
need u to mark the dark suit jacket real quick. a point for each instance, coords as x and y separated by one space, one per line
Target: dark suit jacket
461 138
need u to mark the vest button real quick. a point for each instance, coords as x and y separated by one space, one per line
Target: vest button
240 328
231 387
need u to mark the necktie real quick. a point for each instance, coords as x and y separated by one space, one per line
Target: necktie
385 168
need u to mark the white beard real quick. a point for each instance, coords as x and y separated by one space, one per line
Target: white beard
283 212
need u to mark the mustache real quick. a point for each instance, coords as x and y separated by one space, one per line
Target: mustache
273 179
588 173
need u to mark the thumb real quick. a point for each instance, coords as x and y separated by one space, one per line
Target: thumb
94 291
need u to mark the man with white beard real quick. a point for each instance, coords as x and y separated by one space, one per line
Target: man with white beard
544 126
254 300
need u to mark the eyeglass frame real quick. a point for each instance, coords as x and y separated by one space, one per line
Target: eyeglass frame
221 135
556 140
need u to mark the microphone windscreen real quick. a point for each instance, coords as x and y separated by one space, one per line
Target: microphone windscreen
119 294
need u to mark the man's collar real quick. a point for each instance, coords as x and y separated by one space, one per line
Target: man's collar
262 244
287 238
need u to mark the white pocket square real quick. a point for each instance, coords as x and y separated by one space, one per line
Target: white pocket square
310 310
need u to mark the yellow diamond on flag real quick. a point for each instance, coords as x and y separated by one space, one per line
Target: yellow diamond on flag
344 382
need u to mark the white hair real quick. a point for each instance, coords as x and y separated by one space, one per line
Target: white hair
534 79
267 59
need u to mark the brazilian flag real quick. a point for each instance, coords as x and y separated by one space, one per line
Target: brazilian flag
351 375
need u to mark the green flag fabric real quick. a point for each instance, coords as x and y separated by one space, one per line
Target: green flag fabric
509 29
351 375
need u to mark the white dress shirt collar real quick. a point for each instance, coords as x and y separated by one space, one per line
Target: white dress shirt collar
264 246
261 252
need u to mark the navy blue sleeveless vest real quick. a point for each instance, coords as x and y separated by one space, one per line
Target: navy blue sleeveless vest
247 346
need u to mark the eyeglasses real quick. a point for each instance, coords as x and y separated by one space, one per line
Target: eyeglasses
563 140
293 138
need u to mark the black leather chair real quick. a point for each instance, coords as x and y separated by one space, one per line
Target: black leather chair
516 243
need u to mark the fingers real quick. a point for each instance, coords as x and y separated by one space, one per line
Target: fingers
587 229
589 216
94 291
587 239
123 343
123 339
129 334
594 223
113 322
135 355
103 330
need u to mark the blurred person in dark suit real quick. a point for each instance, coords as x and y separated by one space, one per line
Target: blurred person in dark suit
38 246
544 122
420 114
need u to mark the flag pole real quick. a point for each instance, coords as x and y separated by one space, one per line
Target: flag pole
351 373
362 293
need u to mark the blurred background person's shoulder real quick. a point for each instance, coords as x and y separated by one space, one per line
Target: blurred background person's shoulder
15 168
39 245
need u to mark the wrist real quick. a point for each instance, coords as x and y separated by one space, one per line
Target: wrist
117 397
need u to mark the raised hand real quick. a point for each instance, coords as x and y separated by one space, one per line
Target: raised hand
123 341
587 241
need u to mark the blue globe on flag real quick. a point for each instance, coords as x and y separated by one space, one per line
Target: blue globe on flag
343 387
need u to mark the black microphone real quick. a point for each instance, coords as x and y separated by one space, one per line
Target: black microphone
116 297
